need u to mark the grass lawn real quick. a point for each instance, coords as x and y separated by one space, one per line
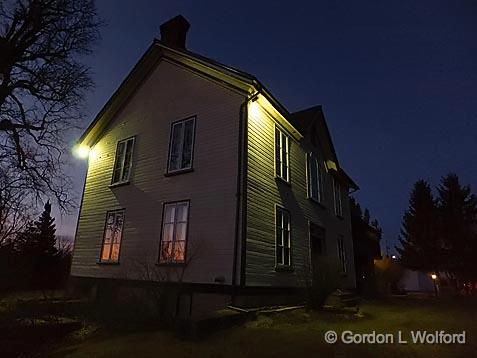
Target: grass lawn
299 333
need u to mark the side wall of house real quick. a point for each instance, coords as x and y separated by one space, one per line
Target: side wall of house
265 192
169 94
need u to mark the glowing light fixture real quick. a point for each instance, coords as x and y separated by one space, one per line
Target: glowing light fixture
394 257
434 276
81 151
254 109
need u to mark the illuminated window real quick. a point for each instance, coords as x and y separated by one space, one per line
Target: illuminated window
337 198
342 253
282 231
174 232
123 161
181 145
282 149
315 178
113 232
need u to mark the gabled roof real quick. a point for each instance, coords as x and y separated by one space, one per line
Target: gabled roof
241 81
158 50
311 121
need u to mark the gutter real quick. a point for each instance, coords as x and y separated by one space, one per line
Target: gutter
240 227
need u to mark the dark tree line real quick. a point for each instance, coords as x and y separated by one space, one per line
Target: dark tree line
366 235
34 258
439 232
43 85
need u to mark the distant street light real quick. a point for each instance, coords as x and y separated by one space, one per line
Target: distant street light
434 281
394 257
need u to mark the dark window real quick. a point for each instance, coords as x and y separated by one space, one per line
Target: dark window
317 238
337 198
283 244
174 232
113 232
315 178
282 145
123 161
181 147
342 253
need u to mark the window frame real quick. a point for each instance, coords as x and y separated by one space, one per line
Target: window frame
342 254
170 171
174 263
126 181
282 266
322 238
111 262
279 169
337 198
320 178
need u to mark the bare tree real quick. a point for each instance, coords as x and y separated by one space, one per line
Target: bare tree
42 87
14 208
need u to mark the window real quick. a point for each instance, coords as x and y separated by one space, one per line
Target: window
282 223
337 198
342 253
113 232
282 154
317 238
174 232
181 145
315 179
123 161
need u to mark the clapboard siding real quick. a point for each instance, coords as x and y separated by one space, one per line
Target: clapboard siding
169 94
264 192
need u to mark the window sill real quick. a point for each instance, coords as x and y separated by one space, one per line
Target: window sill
177 172
115 185
284 268
113 263
170 264
281 180
317 203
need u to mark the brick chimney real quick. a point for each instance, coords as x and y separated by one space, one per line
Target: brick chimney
174 32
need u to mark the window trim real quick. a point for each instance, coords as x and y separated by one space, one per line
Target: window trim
282 266
123 182
191 167
280 176
320 176
174 263
110 262
342 255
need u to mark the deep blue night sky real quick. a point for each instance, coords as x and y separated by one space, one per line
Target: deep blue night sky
397 79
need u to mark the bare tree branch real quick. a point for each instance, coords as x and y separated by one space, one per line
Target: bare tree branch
42 88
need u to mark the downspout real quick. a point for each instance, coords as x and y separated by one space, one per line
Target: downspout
241 187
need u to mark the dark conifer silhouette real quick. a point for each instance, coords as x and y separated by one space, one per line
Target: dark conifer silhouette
458 227
419 242
366 216
36 247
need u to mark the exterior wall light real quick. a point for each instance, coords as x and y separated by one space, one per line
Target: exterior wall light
81 151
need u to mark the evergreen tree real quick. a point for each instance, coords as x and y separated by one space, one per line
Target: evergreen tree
419 243
366 216
36 246
38 239
457 227
355 208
